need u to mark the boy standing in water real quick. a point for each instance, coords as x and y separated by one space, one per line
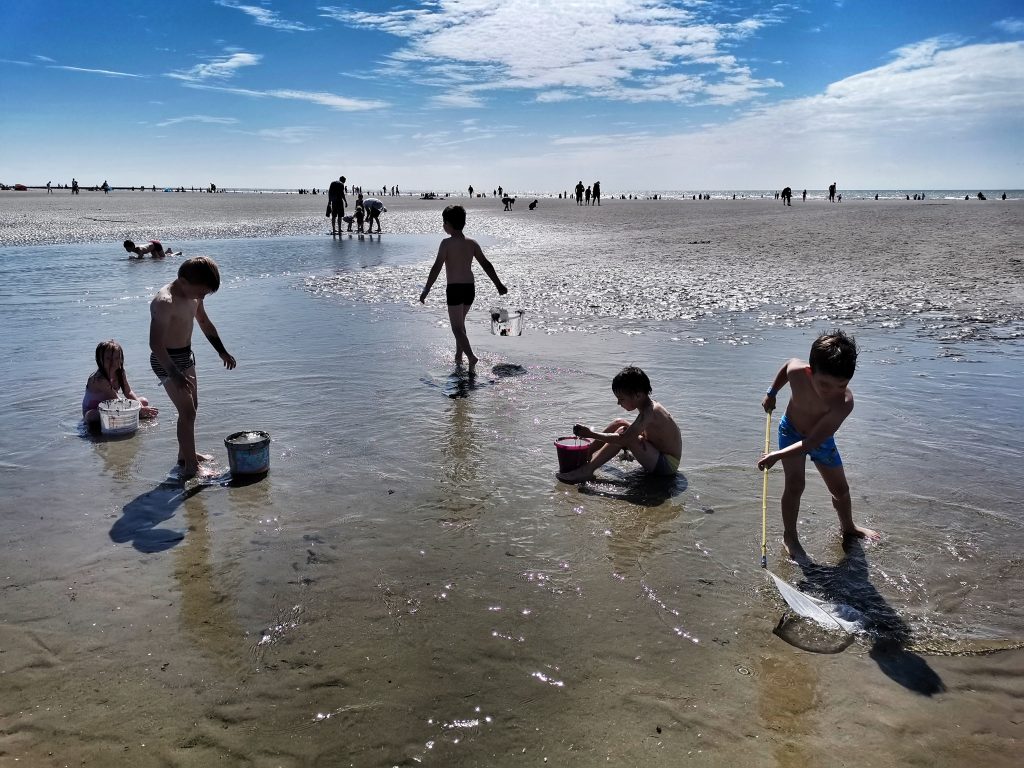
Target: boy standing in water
818 405
653 437
172 312
456 253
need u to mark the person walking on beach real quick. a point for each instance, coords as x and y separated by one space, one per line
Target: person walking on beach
819 403
653 437
470 190
804 198
597 193
832 192
172 314
456 254
49 188
74 186
579 192
337 200
787 196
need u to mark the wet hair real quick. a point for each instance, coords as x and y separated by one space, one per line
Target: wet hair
201 270
454 216
633 380
834 353
101 350
129 245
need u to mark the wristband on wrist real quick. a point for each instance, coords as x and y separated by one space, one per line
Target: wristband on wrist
772 392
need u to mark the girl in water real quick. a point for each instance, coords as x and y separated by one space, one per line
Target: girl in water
105 383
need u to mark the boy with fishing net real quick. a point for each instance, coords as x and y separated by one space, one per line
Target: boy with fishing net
819 403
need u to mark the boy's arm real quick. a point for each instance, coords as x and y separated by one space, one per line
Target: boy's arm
781 379
826 427
489 269
210 331
435 270
613 438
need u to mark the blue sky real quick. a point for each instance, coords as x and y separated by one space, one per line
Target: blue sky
530 94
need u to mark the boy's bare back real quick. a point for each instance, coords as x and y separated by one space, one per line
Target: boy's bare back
174 314
660 429
458 254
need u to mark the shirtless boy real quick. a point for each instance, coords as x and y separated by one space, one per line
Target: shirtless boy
153 248
172 312
653 437
819 403
456 254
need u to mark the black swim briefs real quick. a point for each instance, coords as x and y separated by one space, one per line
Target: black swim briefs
182 358
460 293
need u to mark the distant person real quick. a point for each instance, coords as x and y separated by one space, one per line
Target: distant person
508 202
172 314
819 403
579 193
533 205
597 193
470 190
586 195
108 382
1004 195
154 249
832 192
49 188
456 253
337 201
839 197
349 219
804 198
374 208
74 187
787 196
981 196
105 187
653 438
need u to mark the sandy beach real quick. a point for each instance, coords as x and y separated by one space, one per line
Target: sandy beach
410 585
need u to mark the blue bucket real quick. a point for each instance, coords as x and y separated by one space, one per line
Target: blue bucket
248 452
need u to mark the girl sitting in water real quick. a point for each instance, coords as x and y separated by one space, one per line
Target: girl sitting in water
106 381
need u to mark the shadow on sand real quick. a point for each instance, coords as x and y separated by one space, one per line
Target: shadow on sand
846 583
141 517
635 487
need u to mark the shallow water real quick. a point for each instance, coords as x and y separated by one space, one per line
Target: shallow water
410 584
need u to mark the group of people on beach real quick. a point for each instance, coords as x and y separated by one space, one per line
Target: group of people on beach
820 398
366 210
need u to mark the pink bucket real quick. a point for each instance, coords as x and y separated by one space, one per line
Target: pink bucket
573 452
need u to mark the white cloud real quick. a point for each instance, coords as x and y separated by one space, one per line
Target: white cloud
295 134
106 72
266 17
218 68
198 119
1011 26
626 50
341 103
47 59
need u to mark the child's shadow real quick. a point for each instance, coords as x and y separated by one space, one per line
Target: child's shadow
847 583
635 487
141 516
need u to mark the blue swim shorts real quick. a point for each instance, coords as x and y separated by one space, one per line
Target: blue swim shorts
826 454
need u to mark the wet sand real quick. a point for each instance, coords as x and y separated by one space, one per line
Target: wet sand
410 585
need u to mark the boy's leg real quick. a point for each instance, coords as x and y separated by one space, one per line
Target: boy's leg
795 470
603 455
457 316
185 403
835 481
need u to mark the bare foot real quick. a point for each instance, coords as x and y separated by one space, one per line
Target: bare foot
472 364
199 458
793 548
575 477
862 533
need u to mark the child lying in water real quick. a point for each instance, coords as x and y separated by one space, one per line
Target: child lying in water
154 248
105 383
653 437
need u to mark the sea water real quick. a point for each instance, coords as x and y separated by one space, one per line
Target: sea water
413 586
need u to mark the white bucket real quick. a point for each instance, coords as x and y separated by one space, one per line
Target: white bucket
119 416
507 323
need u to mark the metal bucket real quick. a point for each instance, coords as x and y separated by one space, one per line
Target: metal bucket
248 452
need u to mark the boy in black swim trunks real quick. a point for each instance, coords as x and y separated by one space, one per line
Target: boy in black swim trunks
456 253
172 312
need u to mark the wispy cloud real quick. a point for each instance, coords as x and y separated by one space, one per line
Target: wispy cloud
341 103
625 50
198 119
105 72
266 17
294 134
218 68
47 59
1012 26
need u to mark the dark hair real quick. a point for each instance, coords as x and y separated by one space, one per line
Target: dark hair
834 353
631 379
101 350
129 245
201 270
454 216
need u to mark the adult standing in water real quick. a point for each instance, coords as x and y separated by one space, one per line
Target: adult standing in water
832 192
336 197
